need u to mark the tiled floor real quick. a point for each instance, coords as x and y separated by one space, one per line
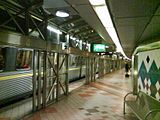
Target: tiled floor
18 110
76 84
102 100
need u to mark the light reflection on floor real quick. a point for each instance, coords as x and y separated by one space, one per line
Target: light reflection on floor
102 100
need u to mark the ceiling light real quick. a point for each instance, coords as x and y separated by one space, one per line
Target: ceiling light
97 2
104 16
54 30
62 14
73 38
36 18
102 12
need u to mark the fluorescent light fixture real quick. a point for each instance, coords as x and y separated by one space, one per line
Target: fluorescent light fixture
62 14
135 72
73 38
102 11
97 2
36 18
54 30
107 46
104 16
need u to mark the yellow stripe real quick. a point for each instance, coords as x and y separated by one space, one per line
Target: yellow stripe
14 76
75 68
26 75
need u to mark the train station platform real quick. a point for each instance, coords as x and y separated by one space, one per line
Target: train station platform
102 100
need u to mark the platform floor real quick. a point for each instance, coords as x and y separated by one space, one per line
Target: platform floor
22 108
102 100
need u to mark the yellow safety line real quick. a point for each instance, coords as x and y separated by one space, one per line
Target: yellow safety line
25 75
14 76
74 68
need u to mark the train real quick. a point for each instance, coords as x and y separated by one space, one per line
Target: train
16 72
16 79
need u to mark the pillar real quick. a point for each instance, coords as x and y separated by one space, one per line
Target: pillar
10 59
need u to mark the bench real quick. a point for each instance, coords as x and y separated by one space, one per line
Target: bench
143 106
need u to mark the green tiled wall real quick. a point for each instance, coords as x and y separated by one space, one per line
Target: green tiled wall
149 73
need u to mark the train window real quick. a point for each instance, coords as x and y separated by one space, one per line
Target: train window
2 63
83 60
53 37
72 60
24 60
63 37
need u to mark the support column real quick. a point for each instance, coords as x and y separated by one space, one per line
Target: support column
34 80
44 79
57 81
87 71
39 96
45 66
135 74
99 68
10 59
67 80
93 69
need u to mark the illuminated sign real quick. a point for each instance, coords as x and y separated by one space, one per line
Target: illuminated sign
99 48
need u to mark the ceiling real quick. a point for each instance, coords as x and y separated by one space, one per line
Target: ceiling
136 21
82 22
85 11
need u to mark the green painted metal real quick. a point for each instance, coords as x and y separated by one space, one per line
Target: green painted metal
141 48
145 107
135 74
151 46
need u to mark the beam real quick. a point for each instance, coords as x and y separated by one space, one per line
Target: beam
37 27
35 6
94 38
83 31
15 21
74 20
89 35
92 35
78 27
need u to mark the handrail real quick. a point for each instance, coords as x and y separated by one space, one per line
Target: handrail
150 112
125 101
127 95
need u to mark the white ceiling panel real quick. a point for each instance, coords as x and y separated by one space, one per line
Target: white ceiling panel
79 2
131 18
54 3
152 30
132 8
87 13
131 21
